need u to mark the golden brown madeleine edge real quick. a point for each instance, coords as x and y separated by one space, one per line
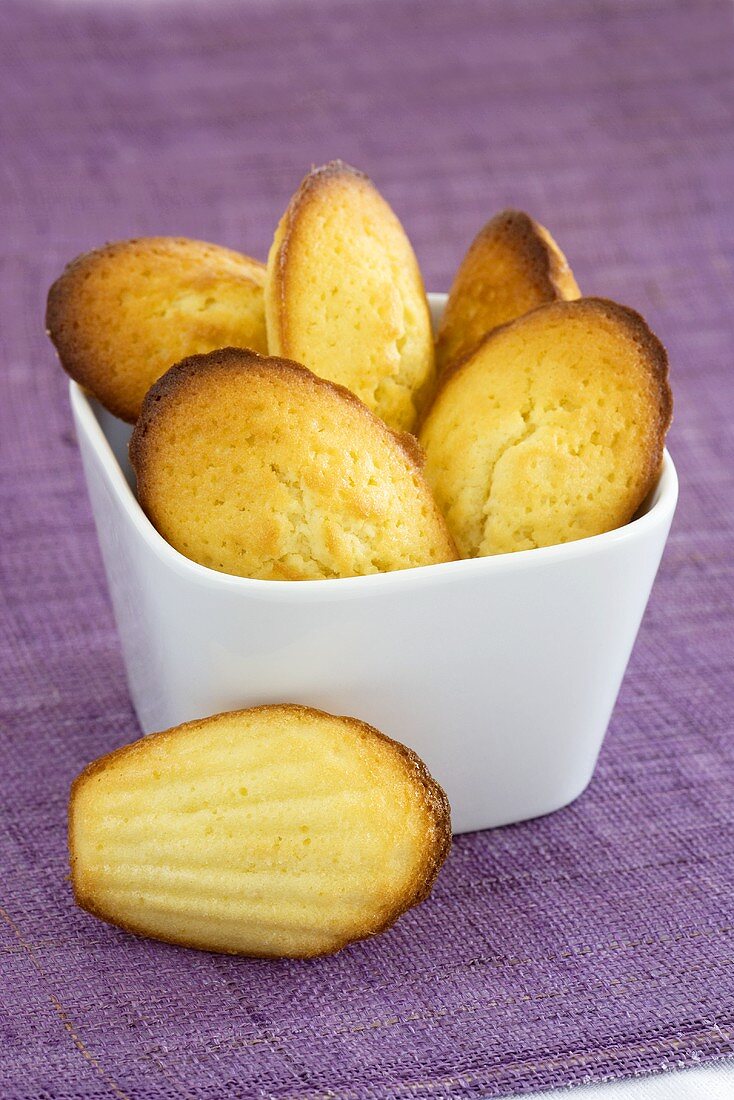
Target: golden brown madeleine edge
434 801
546 264
61 304
655 356
245 360
60 329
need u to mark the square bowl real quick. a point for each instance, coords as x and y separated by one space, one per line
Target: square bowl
500 672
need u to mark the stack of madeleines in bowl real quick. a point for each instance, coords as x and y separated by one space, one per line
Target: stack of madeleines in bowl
273 404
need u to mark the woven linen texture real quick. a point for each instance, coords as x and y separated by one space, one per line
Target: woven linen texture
592 944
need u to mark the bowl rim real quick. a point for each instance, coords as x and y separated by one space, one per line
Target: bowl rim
659 512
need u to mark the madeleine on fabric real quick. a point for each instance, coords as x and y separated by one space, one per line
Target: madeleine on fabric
254 466
345 297
122 315
552 430
276 831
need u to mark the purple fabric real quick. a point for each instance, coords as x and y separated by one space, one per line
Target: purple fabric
594 943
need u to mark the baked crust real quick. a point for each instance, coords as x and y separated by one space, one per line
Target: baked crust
400 830
123 314
345 297
512 266
552 429
254 466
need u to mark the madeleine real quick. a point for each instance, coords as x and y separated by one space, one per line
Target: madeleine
344 295
119 317
276 831
552 430
513 265
255 466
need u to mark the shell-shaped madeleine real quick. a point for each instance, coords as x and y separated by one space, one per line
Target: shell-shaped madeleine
120 316
276 831
551 430
256 467
512 266
344 295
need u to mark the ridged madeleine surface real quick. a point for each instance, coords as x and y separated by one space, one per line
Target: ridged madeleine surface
513 265
552 430
122 315
276 831
344 295
256 467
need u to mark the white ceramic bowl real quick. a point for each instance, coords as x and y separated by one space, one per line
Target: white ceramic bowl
500 672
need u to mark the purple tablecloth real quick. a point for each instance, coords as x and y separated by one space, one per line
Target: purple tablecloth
594 943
